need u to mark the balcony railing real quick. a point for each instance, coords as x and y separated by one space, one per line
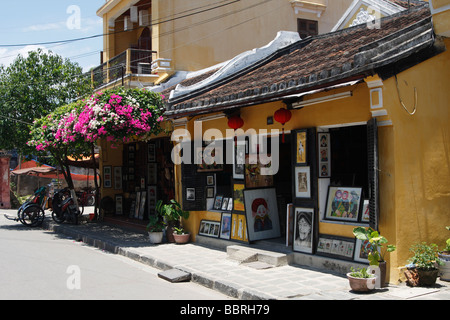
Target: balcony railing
129 62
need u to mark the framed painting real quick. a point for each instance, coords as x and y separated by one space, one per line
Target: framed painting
209 228
303 229
336 247
151 152
117 178
225 203
324 148
365 213
301 144
152 177
261 211
239 227
225 226
107 176
238 197
253 176
239 159
142 203
218 202
343 203
190 194
206 159
209 192
119 204
302 178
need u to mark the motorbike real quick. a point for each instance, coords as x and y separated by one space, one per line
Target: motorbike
64 208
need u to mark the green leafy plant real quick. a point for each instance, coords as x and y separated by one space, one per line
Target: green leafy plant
360 273
156 223
375 250
425 256
172 212
179 230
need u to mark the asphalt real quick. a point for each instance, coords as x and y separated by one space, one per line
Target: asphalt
213 268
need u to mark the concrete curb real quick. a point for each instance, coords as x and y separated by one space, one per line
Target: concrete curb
228 288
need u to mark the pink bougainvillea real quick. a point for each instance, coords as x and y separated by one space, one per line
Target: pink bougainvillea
115 115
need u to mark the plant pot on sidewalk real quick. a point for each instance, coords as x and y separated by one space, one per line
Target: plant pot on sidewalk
155 237
444 267
361 284
181 238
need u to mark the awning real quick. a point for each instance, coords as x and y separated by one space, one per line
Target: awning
35 171
85 162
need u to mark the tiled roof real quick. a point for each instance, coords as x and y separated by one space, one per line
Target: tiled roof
313 63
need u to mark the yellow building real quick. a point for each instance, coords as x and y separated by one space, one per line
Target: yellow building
147 41
369 128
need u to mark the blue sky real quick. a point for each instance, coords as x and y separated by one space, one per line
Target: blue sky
32 21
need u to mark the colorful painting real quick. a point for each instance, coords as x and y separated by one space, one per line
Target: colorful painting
343 203
253 176
301 147
261 210
239 227
225 226
238 197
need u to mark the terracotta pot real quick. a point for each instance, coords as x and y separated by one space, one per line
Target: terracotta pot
361 284
181 238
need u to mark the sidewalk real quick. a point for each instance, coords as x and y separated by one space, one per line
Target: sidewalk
214 269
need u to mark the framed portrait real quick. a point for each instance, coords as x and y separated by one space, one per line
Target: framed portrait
151 152
225 226
218 202
230 204
119 204
239 227
107 176
365 213
152 176
301 145
209 228
324 149
210 180
336 247
303 229
117 178
343 203
238 197
225 203
190 194
209 192
239 159
261 211
302 178
253 176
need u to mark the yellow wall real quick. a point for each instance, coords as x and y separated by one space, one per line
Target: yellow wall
420 170
205 39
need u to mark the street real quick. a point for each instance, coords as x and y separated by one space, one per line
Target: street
37 264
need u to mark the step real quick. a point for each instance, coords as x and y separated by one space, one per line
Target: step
244 254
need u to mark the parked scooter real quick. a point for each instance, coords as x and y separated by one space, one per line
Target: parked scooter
64 208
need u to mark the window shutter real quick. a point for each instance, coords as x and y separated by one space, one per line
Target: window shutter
372 161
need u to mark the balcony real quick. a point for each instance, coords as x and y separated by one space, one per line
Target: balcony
134 67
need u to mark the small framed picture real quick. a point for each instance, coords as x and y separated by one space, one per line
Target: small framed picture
218 202
225 203
107 177
151 152
190 194
209 228
225 226
302 182
301 144
210 192
324 148
230 204
210 180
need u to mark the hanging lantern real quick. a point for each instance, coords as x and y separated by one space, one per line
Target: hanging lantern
282 116
235 122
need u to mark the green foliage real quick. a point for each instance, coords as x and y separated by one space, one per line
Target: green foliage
360 273
179 230
171 211
375 252
156 223
31 88
425 256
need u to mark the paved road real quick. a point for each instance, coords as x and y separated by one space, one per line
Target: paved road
36 264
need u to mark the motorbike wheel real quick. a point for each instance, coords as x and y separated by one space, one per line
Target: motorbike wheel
32 215
59 218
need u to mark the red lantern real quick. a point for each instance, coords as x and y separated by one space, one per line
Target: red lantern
282 116
235 122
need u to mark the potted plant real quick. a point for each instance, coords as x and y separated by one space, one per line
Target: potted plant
180 235
444 257
155 228
375 252
172 213
424 263
361 280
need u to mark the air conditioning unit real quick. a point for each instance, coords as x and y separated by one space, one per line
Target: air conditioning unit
144 18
